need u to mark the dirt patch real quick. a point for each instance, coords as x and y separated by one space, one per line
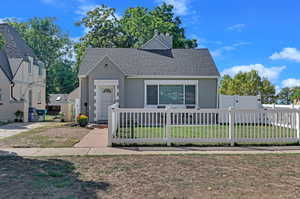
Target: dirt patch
47 137
192 176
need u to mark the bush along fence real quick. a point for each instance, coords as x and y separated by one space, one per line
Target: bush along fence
166 126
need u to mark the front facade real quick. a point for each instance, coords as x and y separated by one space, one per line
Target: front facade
154 76
22 77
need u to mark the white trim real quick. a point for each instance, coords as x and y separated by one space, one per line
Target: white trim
171 77
104 83
171 82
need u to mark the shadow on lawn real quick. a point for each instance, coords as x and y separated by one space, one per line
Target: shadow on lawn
43 178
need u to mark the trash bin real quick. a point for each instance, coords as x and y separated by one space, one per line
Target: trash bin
31 114
41 114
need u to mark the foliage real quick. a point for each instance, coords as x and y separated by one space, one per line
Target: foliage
19 116
248 83
288 95
137 26
52 47
284 96
82 120
296 94
62 116
2 41
63 77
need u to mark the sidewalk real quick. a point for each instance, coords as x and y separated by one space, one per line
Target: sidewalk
96 138
16 128
35 152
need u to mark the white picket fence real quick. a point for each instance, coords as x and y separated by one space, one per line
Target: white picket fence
146 126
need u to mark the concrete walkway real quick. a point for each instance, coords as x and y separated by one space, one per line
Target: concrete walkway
36 152
95 139
16 128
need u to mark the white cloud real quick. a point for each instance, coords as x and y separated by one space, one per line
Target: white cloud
3 20
271 73
288 54
237 27
220 51
180 6
291 82
83 9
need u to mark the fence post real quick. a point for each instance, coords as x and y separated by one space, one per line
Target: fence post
298 125
168 122
110 126
231 125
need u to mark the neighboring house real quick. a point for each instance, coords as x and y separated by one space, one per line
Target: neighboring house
22 77
153 76
68 104
56 102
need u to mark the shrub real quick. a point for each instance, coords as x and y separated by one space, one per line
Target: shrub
19 116
82 120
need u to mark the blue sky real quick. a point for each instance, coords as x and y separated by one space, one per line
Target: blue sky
241 34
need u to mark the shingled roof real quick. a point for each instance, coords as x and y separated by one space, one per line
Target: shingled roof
14 51
168 62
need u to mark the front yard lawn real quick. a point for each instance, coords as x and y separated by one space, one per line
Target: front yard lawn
189 176
54 135
208 131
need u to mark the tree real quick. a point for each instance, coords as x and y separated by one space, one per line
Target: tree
2 42
285 96
133 29
63 77
49 44
296 94
248 83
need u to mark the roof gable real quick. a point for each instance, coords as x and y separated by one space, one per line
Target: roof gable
5 66
159 42
15 47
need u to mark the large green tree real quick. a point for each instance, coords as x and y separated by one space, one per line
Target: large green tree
288 95
134 28
51 46
248 83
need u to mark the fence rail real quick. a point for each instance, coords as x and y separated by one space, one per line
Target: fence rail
127 126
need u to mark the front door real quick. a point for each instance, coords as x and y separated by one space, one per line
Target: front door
106 99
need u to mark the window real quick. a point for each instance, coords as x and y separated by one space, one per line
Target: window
169 92
40 70
30 98
29 66
0 95
39 97
152 95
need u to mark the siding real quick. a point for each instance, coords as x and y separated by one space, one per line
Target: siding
105 70
207 92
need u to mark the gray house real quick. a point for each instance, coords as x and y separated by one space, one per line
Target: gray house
153 76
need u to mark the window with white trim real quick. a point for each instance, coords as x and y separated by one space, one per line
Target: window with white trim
171 92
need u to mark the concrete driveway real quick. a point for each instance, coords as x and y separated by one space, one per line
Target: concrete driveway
16 128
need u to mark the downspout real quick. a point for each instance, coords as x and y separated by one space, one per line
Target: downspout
12 91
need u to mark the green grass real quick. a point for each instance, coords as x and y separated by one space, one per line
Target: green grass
210 131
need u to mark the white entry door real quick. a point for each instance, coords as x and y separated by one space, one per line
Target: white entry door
106 99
